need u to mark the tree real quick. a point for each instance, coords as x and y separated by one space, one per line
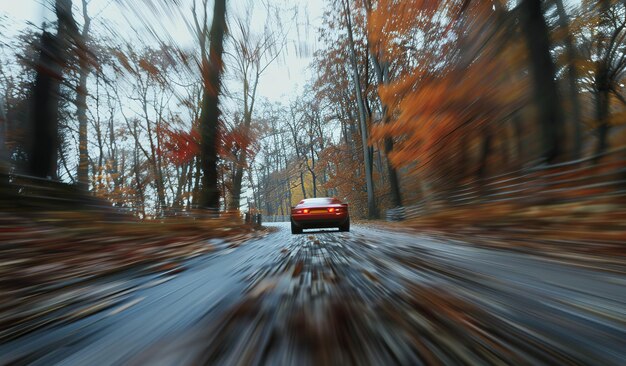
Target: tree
382 70
252 54
53 56
81 101
607 51
294 123
572 78
3 138
545 90
211 69
372 209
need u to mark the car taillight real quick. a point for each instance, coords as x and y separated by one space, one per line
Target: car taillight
306 210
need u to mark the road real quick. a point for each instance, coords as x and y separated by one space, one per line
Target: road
369 297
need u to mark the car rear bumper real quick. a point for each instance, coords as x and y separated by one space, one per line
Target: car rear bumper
319 221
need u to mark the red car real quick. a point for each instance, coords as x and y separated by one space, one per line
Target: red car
316 213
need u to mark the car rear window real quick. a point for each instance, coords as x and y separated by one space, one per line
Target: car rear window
319 201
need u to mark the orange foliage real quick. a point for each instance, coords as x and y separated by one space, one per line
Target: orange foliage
178 146
452 95
343 173
392 18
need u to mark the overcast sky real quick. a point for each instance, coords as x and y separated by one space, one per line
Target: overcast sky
282 80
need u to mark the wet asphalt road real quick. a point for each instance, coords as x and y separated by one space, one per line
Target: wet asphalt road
366 297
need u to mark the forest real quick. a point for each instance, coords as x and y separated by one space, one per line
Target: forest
152 153
423 105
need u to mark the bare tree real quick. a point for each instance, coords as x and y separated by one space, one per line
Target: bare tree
252 54
294 123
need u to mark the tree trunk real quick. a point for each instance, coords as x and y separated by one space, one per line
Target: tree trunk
209 118
603 87
192 183
255 193
195 197
372 209
302 184
572 78
243 155
394 185
46 90
152 157
544 86
236 190
314 178
4 156
288 194
312 166
139 187
81 103
602 109
182 182
287 180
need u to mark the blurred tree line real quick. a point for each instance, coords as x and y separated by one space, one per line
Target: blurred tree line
407 99
430 96
138 124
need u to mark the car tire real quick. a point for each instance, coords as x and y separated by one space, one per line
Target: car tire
345 227
295 229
